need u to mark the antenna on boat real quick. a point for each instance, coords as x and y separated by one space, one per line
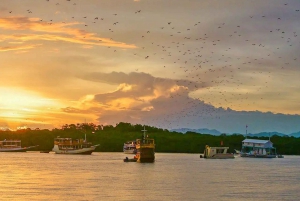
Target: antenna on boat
246 130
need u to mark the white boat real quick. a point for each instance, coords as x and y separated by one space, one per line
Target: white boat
216 153
129 147
254 148
70 146
13 146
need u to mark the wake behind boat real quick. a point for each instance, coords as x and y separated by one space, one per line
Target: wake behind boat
70 146
13 146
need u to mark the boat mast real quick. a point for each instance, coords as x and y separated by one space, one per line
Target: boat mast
246 130
84 130
144 136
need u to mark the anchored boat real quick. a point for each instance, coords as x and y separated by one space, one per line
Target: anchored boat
73 146
145 149
254 148
216 153
13 146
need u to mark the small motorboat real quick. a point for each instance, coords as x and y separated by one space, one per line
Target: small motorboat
130 160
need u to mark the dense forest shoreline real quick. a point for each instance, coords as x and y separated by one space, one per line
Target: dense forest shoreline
112 138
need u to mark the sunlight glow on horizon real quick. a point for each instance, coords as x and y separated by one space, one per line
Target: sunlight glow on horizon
23 100
19 105
21 108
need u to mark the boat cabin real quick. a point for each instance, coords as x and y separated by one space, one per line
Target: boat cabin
69 143
145 141
10 144
130 142
217 152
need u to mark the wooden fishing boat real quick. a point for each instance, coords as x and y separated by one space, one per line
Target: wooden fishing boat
70 146
13 146
216 153
145 149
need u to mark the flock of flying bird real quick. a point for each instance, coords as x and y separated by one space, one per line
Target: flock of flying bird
224 55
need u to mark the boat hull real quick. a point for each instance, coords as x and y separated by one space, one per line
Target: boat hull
131 151
17 149
14 150
257 156
145 155
146 160
83 151
221 156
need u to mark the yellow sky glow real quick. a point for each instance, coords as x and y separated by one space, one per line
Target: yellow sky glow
17 105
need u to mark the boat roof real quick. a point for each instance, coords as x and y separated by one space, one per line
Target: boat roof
256 141
219 147
63 138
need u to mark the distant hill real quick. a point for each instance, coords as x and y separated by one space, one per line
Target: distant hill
266 134
295 134
217 133
200 130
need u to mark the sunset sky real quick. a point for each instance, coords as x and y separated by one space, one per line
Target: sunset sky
165 63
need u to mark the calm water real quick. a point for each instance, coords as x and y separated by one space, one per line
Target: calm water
104 176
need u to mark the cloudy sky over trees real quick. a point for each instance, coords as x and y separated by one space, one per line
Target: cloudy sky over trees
166 63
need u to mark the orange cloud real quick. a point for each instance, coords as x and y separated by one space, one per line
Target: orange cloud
53 31
137 94
14 48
